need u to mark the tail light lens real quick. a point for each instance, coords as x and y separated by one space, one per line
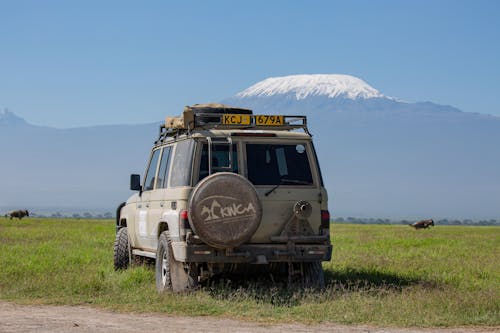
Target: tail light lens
325 219
184 219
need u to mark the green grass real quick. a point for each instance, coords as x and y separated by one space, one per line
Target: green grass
379 274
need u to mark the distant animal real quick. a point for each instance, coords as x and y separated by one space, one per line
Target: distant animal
17 213
424 224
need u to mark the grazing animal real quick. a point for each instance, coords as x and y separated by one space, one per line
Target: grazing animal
18 213
424 224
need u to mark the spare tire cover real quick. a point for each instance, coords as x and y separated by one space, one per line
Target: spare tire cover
224 210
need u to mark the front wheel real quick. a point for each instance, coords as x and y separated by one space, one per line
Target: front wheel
170 273
121 255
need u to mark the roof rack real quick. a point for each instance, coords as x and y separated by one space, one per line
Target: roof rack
190 121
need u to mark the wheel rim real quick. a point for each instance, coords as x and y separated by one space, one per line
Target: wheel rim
164 271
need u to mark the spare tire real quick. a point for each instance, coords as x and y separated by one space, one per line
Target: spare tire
224 210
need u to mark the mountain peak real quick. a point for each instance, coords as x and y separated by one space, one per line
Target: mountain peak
10 118
305 85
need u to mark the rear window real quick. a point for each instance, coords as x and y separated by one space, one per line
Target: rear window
270 164
220 160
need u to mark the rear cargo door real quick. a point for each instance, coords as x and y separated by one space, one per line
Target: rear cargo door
283 173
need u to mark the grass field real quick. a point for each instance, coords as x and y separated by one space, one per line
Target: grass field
387 275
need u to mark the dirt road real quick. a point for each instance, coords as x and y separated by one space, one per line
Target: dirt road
57 319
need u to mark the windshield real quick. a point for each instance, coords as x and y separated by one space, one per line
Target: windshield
275 164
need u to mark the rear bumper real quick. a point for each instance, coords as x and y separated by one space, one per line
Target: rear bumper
259 253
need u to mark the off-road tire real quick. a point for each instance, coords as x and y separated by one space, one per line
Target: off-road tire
170 273
313 276
121 250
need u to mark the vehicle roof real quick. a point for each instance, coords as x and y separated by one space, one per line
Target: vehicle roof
199 134
228 132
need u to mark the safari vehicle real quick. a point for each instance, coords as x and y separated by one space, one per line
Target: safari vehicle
227 190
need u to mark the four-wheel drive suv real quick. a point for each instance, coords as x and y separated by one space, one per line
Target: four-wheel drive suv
226 189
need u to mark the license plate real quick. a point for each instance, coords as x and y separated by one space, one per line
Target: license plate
269 120
236 119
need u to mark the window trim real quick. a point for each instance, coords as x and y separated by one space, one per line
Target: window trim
197 160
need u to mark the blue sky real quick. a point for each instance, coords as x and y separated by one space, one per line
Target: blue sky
69 63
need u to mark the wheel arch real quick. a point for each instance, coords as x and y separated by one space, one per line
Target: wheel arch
170 221
162 226
120 221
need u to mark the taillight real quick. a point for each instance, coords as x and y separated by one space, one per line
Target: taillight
184 219
325 219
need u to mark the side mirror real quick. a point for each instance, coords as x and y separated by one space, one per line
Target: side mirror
135 182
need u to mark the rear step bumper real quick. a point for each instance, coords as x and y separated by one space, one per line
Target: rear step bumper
259 253
301 239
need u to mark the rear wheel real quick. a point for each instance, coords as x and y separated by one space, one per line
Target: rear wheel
170 273
121 255
313 276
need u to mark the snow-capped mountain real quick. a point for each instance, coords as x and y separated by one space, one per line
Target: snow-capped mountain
303 86
333 92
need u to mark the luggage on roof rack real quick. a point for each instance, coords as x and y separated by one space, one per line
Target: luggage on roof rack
202 111
217 108
220 116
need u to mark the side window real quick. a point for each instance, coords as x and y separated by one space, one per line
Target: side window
182 164
162 180
220 159
149 180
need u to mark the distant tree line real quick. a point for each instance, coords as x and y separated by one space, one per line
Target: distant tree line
86 215
349 219
358 220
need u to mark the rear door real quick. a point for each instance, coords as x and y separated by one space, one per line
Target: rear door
157 203
283 172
